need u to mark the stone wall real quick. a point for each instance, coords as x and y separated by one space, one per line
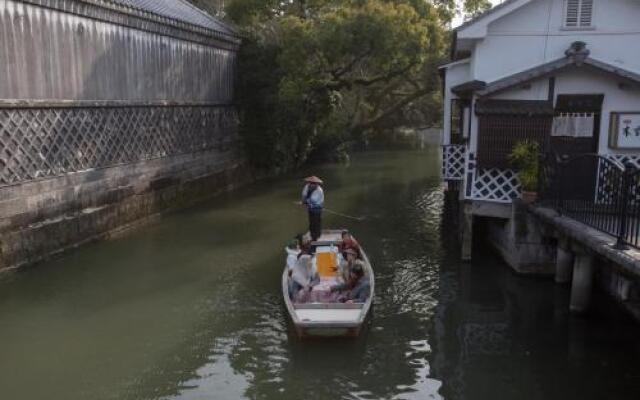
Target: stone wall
41 218
521 242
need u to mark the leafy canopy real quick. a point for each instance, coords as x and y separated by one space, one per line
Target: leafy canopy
317 75
473 8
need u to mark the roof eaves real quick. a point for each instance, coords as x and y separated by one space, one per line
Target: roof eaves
454 63
513 107
525 76
610 68
127 5
207 15
556 66
484 14
469 87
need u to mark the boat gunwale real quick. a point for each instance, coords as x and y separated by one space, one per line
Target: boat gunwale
323 306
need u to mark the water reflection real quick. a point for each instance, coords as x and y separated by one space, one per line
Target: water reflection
190 308
497 334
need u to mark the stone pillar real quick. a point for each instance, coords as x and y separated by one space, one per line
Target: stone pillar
466 227
564 262
582 283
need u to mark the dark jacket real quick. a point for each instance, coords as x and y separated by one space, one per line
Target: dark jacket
359 293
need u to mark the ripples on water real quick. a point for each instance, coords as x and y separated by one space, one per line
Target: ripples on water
191 308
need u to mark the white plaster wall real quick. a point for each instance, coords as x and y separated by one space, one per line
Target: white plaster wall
534 34
615 99
537 90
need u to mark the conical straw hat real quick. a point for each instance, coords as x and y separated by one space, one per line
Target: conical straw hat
313 179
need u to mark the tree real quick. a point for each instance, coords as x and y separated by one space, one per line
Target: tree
213 7
316 74
473 8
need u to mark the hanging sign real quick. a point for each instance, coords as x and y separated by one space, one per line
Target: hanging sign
624 131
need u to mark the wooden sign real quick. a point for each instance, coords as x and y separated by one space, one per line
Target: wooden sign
624 130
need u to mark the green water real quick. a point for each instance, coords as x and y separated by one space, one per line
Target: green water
190 308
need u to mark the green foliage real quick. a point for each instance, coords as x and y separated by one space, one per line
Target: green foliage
525 158
213 7
315 75
473 8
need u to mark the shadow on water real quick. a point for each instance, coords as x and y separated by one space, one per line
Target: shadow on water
190 308
500 335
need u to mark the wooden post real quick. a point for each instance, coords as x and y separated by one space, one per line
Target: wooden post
466 227
622 207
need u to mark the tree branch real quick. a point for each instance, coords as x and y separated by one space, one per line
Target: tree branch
394 108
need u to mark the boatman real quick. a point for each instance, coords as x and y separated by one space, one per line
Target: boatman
313 199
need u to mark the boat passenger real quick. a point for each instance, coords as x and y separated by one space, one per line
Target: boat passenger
350 257
303 278
357 288
305 245
293 253
349 242
313 199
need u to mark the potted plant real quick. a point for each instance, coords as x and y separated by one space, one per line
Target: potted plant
525 158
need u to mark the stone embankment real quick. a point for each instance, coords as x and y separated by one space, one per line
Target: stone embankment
42 218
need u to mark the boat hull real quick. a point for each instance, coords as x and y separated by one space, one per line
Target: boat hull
328 332
343 320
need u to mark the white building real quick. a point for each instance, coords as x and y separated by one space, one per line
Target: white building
522 67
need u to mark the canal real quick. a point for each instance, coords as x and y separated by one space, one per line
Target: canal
190 308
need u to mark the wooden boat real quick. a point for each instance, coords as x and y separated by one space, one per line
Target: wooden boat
328 318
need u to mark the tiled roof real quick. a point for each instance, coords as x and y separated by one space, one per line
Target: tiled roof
470 86
514 107
556 66
180 10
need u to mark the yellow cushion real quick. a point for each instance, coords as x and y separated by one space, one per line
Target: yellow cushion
327 263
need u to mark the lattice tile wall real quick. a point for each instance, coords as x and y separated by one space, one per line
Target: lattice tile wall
45 142
453 159
499 185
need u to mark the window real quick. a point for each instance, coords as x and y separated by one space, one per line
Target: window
459 120
579 14
456 129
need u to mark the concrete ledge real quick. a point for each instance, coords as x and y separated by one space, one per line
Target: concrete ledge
491 209
520 242
598 242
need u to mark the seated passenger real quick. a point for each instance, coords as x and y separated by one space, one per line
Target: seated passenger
293 251
349 242
304 245
344 269
357 287
303 278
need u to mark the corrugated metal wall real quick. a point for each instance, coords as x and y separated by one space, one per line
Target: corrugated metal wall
80 92
50 55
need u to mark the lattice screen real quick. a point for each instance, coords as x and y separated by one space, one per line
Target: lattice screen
605 187
607 182
453 159
37 143
624 158
499 185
